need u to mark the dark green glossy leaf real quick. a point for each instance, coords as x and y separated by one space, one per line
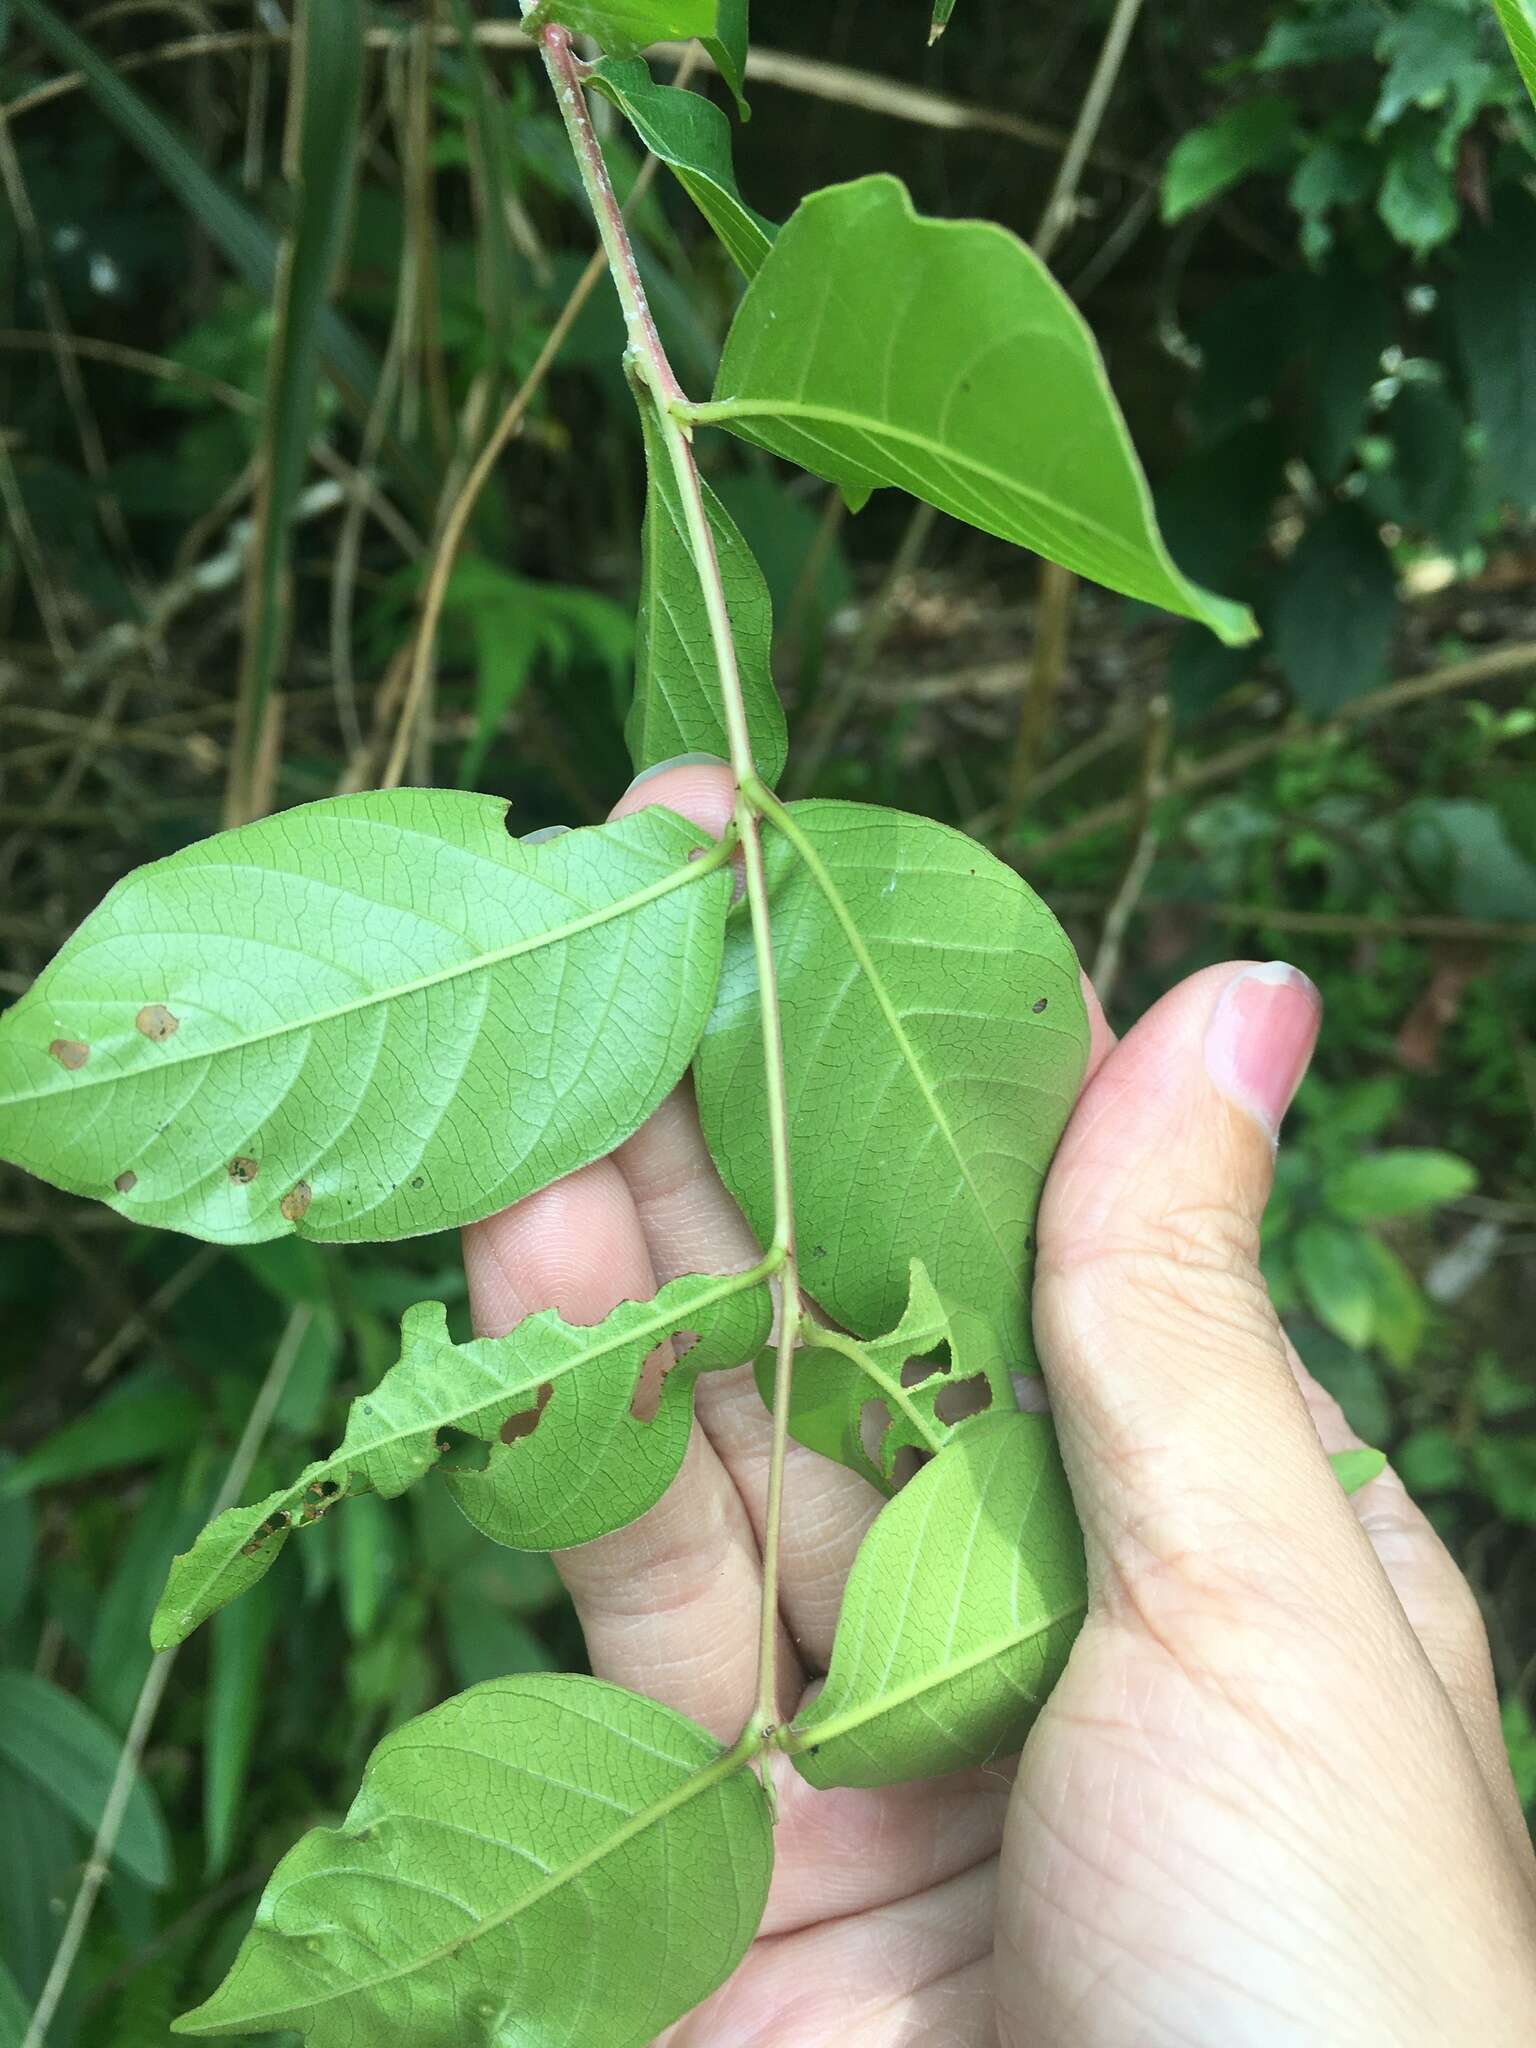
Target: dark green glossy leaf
963 1602
693 139
72 1757
1334 616
728 48
1493 311
232 1714
935 1038
542 1859
366 1018
677 702
878 347
569 1458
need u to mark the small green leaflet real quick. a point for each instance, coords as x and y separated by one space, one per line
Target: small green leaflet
878 347
693 139
935 1040
1354 1469
1519 20
542 1859
676 708
366 1018
963 1602
569 1458
625 27
852 1396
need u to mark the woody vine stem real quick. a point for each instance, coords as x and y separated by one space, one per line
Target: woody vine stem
658 385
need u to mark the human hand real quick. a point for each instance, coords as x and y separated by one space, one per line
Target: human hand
1268 1801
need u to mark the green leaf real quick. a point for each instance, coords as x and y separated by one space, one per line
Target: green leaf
18 1539
330 66
1335 613
1519 1729
247 241
1431 1461
877 347
541 1859
1321 37
935 1039
624 27
1433 55
728 50
693 139
568 1461
69 1754
961 1607
1331 1266
1354 1469
1398 1302
1519 21
676 708
1396 1183
232 1713
1208 161
1418 203
848 1391
15 2011
148 1415
942 10
1493 314
318 1021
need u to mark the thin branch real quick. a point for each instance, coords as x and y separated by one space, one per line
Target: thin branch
152 1691
1057 217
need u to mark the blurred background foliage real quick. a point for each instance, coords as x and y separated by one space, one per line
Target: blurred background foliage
1307 241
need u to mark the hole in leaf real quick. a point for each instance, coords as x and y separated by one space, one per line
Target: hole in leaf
462 1452
907 1463
962 1398
924 1367
296 1202
507 824
874 1422
157 1022
518 1426
243 1170
70 1053
126 1181
1040 1006
645 1404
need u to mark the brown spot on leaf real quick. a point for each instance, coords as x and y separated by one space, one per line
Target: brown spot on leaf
243 1170
69 1052
525 1424
157 1022
126 1181
296 1202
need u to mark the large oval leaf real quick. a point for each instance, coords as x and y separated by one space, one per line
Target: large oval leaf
935 1039
877 347
542 1860
569 1457
365 1018
963 1602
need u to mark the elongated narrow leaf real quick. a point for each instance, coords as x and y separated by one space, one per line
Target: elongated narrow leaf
69 1754
693 139
728 49
569 1459
677 702
935 1040
231 1717
542 1859
497 262
246 240
366 1018
862 1401
877 347
624 27
962 1604
15 2011
1519 20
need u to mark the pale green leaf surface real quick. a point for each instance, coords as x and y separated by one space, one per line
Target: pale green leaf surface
693 139
677 706
935 1039
1332 1266
624 27
543 1862
580 1463
963 1602
367 1018
1396 1182
877 347
1210 160
1519 21
837 1377
1357 1468
51 1738
1399 1308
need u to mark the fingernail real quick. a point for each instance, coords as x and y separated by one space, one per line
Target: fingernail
1259 1041
678 761
544 834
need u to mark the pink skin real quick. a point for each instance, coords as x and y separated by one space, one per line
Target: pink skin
1268 1804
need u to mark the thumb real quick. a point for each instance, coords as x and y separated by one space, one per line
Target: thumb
1183 1428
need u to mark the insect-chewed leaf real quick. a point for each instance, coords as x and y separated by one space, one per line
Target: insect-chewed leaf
570 1458
935 1040
366 1018
861 1401
962 1604
676 708
543 1859
693 139
877 347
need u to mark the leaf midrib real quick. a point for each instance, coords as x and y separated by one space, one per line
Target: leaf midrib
480 963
